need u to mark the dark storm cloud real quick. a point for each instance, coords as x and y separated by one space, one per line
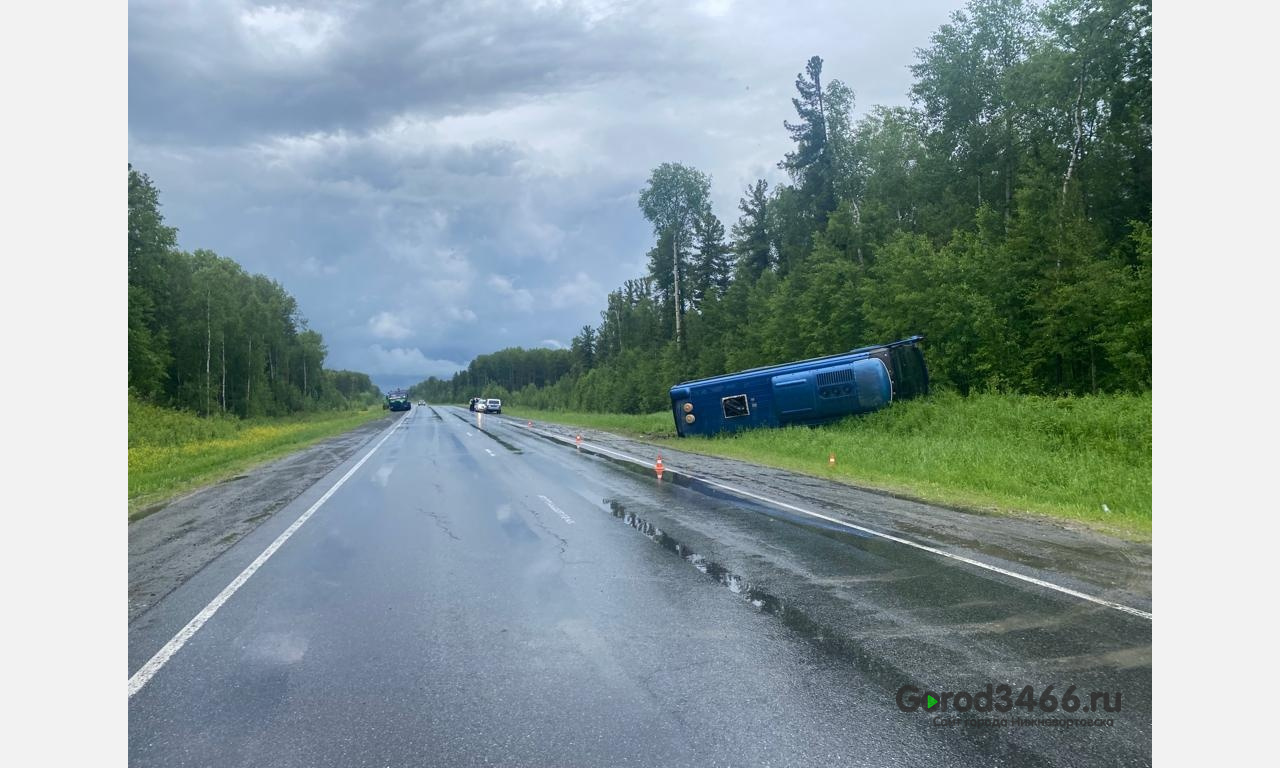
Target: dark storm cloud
434 181
228 71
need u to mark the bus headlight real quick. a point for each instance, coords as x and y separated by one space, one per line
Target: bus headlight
688 418
688 407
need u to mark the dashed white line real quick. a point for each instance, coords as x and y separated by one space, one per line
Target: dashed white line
889 537
491 453
148 670
563 515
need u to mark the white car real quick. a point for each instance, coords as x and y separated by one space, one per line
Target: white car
492 405
481 406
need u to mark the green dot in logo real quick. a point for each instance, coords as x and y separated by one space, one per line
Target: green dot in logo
930 702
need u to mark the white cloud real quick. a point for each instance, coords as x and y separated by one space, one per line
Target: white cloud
408 361
553 343
313 266
463 315
283 36
518 298
579 291
386 325
714 8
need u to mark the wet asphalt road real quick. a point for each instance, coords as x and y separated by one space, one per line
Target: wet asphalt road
492 597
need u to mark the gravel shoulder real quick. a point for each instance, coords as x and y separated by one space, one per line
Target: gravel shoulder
171 545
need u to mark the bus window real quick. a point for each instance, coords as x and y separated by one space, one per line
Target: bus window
735 406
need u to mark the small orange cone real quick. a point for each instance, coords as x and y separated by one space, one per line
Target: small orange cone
531 424
831 460
658 466
579 441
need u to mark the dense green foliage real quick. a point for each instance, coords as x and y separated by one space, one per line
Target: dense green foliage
1079 458
172 451
207 337
1006 216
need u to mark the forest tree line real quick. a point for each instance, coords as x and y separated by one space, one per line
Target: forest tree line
206 336
1005 215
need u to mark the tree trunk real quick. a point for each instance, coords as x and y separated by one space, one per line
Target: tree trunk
855 213
1076 145
1093 371
1008 196
248 378
208 351
1008 170
675 281
223 396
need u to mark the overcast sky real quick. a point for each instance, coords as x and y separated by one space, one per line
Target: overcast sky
437 180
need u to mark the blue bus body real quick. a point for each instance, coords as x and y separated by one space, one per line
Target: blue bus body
805 392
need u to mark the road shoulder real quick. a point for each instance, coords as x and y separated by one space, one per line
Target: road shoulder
1107 567
171 545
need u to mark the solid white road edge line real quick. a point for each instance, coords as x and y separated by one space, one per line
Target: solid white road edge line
148 670
887 536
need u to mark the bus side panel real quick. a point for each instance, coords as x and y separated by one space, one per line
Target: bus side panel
794 397
806 392
708 409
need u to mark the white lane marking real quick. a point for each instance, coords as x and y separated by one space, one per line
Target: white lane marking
148 670
491 453
469 434
563 516
869 531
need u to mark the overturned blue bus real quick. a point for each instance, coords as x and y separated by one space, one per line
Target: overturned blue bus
806 392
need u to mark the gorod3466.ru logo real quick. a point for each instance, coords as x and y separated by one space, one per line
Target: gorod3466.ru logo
999 698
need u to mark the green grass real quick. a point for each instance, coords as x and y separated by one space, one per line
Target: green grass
173 452
1060 457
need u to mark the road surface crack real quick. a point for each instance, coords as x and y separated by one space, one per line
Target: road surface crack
440 523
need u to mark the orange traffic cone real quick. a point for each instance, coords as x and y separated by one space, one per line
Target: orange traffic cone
579 441
658 467
831 460
531 424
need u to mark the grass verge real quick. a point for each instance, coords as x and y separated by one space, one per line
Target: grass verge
1081 459
173 452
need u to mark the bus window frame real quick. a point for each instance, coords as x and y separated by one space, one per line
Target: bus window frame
746 406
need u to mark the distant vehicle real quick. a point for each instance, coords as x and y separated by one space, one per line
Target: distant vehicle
481 406
422 402
493 405
398 400
806 392
474 401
